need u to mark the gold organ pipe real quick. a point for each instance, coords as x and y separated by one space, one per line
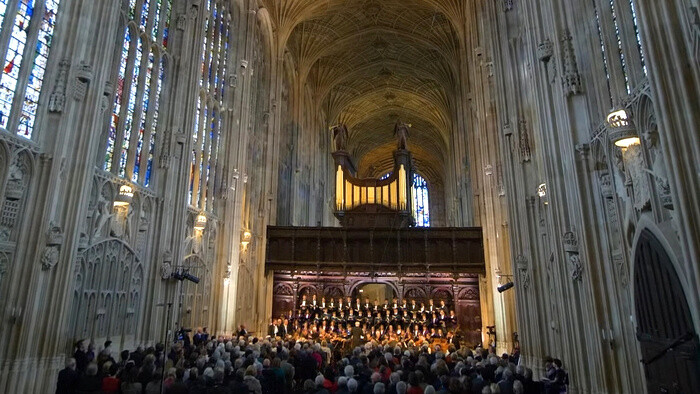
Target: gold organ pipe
402 188
339 183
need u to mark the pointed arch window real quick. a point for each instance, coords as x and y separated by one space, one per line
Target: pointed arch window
421 204
141 73
206 134
25 50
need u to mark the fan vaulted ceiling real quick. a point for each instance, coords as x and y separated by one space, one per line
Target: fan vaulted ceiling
371 63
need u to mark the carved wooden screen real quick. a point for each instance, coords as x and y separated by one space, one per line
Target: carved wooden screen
665 330
107 293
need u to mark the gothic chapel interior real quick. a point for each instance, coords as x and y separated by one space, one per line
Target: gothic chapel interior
250 148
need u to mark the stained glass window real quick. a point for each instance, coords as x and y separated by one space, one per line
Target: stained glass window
206 134
421 205
139 83
14 85
622 54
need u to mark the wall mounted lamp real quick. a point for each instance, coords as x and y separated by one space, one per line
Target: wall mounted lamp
245 239
621 129
200 222
125 196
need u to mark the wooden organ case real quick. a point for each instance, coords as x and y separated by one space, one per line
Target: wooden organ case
377 243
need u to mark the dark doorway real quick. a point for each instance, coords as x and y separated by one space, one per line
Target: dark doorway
669 343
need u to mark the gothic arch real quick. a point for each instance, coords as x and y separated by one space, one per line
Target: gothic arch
309 290
107 275
333 291
667 336
442 293
415 292
666 237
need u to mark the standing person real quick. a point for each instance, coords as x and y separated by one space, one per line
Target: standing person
356 335
67 378
272 328
80 356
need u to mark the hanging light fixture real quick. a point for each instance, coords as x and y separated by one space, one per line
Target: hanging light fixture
125 196
200 223
621 130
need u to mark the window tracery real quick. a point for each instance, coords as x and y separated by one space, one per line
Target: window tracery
621 48
206 133
23 68
141 72
421 206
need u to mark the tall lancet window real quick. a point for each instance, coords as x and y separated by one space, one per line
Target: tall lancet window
141 72
622 55
421 206
26 30
206 133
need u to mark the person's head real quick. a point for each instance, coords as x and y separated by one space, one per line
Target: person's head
70 363
379 388
352 385
349 371
376 377
507 374
91 369
401 388
429 389
342 382
309 385
251 370
319 381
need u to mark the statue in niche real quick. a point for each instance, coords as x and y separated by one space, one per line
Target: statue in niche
340 137
102 218
658 166
401 134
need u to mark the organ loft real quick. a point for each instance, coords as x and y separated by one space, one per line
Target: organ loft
460 196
